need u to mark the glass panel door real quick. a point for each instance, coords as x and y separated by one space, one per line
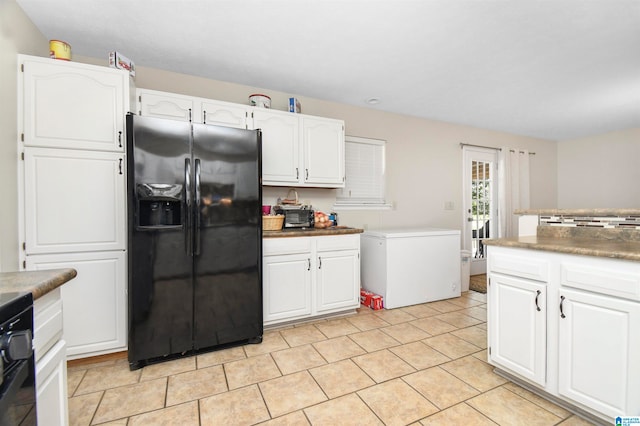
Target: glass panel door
480 202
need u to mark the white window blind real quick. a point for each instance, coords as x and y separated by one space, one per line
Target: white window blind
365 173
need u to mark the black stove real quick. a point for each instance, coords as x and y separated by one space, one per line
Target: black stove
17 388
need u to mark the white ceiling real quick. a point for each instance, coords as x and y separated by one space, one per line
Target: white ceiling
555 70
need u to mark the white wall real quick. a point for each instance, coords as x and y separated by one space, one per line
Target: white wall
600 171
17 35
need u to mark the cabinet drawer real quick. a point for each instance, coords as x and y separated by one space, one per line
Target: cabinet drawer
609 277
276 246
338 242
47 322
520 266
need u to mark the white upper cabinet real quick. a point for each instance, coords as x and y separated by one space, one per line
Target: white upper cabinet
72 105
225 114
280 146
152 103
323 141
297 150
300 150
73 201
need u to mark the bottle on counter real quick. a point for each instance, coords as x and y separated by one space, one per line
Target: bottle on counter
333 217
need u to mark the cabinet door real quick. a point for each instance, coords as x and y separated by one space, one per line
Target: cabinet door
517 326
599 352
69 105
287 287
337 280
73 201
224 114
280 146
94 302
51 387
323 141
47 322
168 105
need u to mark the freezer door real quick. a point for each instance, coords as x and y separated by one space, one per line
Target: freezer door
160 265
227 236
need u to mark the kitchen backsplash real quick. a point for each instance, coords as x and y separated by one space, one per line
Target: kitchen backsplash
621 222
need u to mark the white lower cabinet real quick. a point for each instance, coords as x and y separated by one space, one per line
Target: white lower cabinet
337 273
599 352
51 387
51 360
95 308
308 276
518 311
583 345
287 286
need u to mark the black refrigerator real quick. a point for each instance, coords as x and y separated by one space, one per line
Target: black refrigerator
195 238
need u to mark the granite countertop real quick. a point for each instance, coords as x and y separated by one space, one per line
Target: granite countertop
578 212
312 232
38 283
610 243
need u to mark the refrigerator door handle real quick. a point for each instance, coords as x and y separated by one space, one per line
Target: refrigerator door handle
198 204
188 241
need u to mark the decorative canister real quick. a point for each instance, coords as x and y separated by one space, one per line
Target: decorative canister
59 50
259 100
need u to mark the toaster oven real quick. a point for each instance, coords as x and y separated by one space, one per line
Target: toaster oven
296 218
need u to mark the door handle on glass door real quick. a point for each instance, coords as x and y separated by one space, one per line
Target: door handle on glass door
197 212
188 243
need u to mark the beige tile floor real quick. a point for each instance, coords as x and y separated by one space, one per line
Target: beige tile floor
418 365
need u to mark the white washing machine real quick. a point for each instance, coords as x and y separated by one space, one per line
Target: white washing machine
407 266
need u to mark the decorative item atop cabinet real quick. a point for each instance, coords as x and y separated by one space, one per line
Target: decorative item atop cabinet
297 150
72 198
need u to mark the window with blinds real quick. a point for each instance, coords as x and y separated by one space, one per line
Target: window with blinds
365 173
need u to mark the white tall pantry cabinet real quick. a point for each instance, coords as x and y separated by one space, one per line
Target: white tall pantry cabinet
72 193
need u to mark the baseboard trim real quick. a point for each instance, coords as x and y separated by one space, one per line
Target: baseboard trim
115 356
562 403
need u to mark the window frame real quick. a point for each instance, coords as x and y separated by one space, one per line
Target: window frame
364 203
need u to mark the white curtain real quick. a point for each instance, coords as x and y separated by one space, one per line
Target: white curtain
513 188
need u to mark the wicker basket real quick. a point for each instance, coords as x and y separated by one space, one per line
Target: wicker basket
272 223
